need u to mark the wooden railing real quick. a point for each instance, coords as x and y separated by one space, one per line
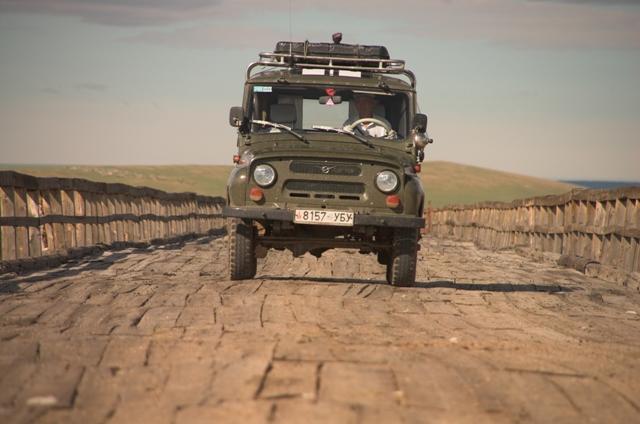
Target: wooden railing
46 216
598 226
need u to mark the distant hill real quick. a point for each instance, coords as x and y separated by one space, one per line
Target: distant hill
203 179
450 183
445 182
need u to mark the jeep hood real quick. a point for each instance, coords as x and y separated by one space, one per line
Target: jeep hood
328 146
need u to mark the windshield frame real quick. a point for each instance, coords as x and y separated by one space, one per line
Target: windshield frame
408 98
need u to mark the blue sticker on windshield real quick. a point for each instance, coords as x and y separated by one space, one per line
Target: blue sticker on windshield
261 89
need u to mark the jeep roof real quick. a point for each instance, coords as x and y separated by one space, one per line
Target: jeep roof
298 61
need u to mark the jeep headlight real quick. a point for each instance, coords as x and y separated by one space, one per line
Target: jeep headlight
264 175
387 181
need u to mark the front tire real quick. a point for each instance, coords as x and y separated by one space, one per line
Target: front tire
401 269
242 256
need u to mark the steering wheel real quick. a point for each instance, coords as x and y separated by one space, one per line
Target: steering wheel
376 121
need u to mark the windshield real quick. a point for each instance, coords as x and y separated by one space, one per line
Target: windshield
303 108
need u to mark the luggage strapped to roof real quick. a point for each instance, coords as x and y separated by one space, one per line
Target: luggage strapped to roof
348 57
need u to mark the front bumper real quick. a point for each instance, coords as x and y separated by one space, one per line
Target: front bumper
269 214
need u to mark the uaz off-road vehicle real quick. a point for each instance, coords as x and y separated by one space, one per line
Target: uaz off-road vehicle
329 144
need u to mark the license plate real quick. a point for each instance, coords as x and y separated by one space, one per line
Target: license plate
323 217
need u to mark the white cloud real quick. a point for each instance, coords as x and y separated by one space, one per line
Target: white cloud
92 86
533 23
208 36
117 12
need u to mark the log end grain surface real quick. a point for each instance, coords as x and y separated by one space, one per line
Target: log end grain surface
160 336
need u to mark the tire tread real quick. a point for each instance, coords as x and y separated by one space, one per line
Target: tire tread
401 270
242 258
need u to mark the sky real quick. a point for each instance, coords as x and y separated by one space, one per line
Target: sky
549 88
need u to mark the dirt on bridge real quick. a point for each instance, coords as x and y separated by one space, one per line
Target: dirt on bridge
160 336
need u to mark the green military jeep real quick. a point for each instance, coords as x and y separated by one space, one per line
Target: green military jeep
329 147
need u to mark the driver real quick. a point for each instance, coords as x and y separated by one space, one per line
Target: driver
365 105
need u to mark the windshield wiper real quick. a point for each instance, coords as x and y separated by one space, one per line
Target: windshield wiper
343 131
281 127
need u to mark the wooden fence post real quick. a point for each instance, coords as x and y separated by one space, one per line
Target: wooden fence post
79 210
55 204
35 232
68 210
22 232
7 232
91 229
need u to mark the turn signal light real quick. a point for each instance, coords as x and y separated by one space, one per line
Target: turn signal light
417 168
393 201
256 194
236 158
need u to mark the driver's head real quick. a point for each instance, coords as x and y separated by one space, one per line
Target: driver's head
365 104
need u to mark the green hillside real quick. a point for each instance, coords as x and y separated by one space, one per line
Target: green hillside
450 183
202 179
445 182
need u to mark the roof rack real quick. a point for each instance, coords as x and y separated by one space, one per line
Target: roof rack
347 63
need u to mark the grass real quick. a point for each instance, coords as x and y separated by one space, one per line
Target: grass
444 182
448 183
202 179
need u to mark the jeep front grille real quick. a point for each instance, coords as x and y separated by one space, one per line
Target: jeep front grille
324 190
330 187
325 168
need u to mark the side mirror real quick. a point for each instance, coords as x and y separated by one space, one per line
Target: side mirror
419 122
236 116
330 100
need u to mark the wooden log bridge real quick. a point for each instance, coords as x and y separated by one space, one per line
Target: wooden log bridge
597 231
45 219
160 335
